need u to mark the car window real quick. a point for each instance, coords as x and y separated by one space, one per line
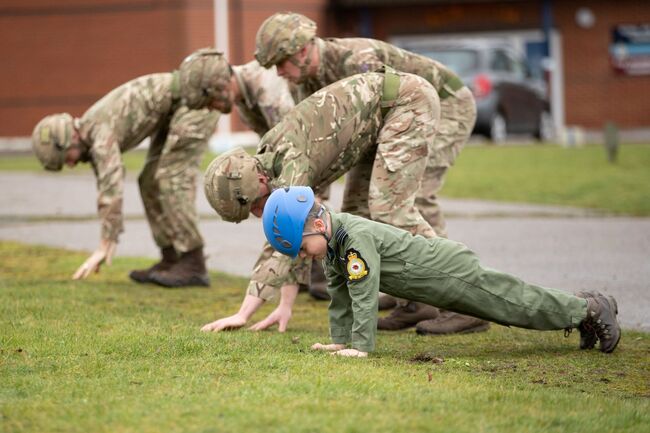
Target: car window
500 61
461 61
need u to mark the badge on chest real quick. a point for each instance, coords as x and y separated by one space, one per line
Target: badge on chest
355 265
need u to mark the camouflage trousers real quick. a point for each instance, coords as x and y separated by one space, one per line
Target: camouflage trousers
457 118
168 178
384 185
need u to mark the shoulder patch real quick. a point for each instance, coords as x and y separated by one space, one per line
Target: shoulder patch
356 266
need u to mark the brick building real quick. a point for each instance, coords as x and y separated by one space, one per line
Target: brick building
63 56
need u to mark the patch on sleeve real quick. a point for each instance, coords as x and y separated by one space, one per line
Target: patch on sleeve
356 265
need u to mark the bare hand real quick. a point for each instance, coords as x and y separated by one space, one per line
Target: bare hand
352 353
328 347
104 254
281 315
227 323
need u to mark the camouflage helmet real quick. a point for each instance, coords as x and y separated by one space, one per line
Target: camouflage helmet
282 35
231 184
203 75
51 137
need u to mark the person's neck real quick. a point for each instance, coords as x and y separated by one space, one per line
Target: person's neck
235 90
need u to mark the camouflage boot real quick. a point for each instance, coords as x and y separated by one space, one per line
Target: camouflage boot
318 286
588 337
188 271
601 320
405 316
169 257
451 323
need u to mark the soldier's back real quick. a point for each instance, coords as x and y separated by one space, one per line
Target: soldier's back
131 111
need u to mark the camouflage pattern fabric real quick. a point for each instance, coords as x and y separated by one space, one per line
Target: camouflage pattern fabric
340 58
145 106
168 179
338 128
457 117
266 96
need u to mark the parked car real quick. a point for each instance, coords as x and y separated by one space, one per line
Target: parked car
508 98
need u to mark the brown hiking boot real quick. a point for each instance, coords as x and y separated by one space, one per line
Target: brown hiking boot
588 337
318 286
403 317
386 302
601 319
189 270
169 257
451 323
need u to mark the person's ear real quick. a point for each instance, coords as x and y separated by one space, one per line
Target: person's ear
319 225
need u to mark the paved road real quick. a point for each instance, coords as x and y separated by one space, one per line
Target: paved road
559 247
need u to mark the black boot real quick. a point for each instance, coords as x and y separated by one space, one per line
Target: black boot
188 271
169 257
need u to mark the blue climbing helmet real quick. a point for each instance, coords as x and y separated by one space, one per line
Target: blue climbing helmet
285 213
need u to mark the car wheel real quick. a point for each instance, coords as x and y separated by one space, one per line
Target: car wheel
545 129
498 129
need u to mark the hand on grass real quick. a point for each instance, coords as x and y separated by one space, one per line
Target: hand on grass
227 323
328 347
352 353
103 254
281 315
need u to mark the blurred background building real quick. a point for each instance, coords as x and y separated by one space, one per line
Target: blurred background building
593 57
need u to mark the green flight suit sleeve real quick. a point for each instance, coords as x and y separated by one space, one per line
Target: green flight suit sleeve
362 270
340 308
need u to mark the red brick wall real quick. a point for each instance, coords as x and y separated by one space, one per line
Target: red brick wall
64 55
594 92
246 16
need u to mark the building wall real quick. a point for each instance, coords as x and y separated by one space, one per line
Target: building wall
594 92
64 55
246 16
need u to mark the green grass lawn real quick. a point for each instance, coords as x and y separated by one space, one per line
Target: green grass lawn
546 174
553 175
107 355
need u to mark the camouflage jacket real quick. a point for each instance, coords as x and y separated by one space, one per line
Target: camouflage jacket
119 122
325 135
340 58
265 96
320 140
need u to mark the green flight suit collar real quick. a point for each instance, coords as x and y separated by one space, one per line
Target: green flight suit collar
338 236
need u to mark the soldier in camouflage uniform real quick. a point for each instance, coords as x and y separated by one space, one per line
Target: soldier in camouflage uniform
382 124
148 106
288 41
262 99
261 96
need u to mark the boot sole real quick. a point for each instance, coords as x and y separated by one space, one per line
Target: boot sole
480 328
140 280
193 282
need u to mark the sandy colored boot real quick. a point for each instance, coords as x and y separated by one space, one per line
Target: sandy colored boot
169 257
601 319
188 271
